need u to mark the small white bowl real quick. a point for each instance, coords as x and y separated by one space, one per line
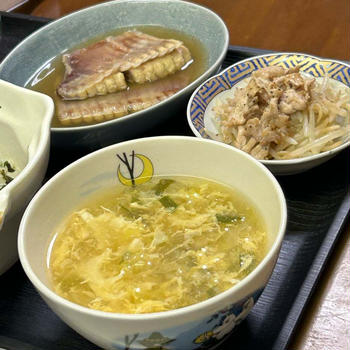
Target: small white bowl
198 106
25 118
189 327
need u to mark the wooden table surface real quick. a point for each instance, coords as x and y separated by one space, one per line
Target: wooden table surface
319 27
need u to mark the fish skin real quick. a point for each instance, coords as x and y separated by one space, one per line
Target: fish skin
87 69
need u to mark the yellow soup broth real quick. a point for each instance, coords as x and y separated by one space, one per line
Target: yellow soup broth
162 245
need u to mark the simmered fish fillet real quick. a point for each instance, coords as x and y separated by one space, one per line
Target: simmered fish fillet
98 69
115 82
102 108
159 67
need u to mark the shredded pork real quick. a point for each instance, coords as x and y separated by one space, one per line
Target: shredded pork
257 117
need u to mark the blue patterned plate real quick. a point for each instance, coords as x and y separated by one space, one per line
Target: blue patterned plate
200 119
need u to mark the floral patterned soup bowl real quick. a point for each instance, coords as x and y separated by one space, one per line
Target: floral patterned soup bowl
204 324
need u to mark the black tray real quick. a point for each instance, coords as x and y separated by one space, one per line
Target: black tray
318 207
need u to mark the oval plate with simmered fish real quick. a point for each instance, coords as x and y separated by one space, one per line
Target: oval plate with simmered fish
116 119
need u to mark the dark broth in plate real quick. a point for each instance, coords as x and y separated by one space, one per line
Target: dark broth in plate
48 77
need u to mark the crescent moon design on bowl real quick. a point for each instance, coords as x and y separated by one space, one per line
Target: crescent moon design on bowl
145 175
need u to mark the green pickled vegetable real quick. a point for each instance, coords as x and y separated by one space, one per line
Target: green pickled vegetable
162 185
129 212
7 178
227 219
168 203
9 167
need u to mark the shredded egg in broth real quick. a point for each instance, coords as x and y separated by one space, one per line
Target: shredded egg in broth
162 245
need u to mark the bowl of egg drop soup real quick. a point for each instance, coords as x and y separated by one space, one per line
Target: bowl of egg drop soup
157 242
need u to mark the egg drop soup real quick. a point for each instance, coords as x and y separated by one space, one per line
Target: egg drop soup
159 246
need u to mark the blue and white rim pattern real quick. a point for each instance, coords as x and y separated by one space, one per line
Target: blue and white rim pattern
232 75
